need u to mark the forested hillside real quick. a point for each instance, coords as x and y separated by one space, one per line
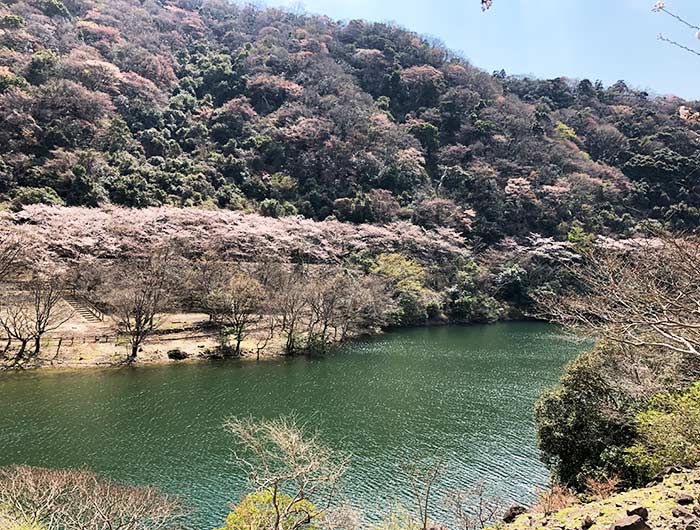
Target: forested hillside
203 102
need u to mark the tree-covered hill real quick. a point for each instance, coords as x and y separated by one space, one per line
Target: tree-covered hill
204 102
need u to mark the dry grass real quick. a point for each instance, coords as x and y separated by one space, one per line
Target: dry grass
600 489
553 499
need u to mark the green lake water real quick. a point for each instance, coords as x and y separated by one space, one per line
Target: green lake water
463 392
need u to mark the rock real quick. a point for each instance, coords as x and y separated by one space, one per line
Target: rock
641 511
513 512
681 512
660 476
631 522
177 355
684 499
587 523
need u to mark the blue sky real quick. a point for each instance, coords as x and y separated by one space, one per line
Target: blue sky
595 39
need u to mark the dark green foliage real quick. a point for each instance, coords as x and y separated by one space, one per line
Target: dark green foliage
584 424
12 22
468 298
8 80
27 195
53 8
42 66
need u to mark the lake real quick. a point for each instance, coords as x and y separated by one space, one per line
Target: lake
464 392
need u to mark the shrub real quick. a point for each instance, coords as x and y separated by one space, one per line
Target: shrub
565 132
668 433
28 195
602 488
407 277
9 80
12 522
467 300
580 239
12 22
276 209
42 66
45 499
53 8
554 498
256 512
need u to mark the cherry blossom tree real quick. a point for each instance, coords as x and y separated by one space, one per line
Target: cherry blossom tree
660 7
11 250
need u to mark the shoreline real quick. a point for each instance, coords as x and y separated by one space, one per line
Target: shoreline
89 351
155 352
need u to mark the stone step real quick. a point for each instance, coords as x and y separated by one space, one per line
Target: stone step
81 309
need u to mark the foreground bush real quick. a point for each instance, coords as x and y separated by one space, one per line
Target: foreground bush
48 499
668 433
257 512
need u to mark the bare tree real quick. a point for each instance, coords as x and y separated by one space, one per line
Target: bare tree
643 294
30 312
422 477
342 302
49 310
367 304
280 456
268 332
291 299
137 293
237 306
17 323
85 279
325 299
78 500
474 508
208 276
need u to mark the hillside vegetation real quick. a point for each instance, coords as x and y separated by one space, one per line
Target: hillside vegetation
203 102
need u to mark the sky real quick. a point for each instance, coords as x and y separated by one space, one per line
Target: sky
595 39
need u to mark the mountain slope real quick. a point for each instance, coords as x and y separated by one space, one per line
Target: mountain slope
202 102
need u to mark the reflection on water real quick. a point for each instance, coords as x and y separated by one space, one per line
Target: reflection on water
463 392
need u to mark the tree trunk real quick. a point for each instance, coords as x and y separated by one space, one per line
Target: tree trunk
20 354
134 352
